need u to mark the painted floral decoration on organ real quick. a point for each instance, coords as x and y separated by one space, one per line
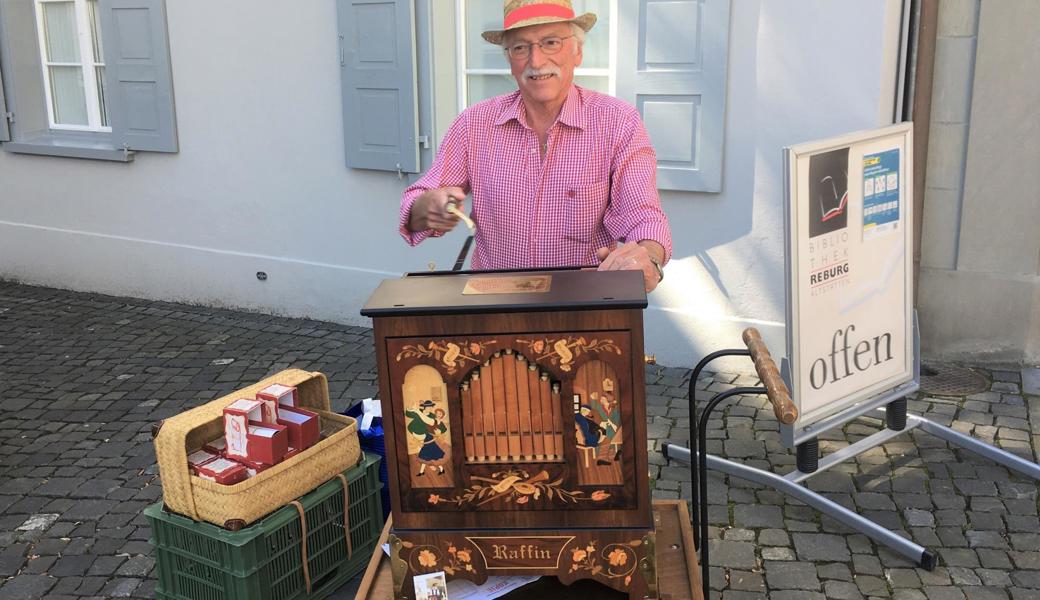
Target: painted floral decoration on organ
614 561
453 356
564 350
429 557
519 487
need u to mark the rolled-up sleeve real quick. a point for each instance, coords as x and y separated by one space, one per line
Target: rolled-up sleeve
449 169
634 213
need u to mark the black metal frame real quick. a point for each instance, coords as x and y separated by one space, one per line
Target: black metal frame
699 458
807 453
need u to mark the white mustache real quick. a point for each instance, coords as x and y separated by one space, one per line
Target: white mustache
530 72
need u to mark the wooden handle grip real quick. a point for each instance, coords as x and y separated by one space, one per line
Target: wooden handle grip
453 208
776 389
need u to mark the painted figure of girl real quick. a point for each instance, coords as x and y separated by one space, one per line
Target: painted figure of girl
430 426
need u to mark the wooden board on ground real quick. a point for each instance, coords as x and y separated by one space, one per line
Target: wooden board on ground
679 576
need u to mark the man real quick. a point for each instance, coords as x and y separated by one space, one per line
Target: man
558 174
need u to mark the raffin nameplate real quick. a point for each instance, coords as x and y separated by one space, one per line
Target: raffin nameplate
512 552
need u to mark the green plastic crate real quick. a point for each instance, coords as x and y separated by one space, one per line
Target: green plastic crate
200 561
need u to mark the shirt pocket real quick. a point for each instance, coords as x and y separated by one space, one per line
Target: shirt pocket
585 205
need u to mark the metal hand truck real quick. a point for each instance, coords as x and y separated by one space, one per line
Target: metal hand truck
776 391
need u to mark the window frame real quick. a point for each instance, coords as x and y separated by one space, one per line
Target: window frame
147 67
463 71
87 43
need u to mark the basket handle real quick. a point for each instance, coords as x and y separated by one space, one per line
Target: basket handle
171 437
776 389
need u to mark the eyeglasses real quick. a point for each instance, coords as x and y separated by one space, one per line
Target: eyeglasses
550 45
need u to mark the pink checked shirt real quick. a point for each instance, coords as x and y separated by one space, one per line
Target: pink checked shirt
595 185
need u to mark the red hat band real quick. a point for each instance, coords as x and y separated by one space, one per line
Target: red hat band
532 11
526 13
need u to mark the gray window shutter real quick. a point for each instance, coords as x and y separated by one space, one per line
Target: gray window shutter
5 132
378 68
139 83
672 66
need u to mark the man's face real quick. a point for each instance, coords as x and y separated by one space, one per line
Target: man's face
544 78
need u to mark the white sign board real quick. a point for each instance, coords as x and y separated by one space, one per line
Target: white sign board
849 269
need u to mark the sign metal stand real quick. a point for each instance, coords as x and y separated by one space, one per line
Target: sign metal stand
886 219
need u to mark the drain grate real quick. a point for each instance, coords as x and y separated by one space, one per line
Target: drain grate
944 379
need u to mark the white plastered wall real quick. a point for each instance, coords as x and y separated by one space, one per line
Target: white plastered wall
260 184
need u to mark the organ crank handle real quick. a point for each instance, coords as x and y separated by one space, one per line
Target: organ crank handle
453 207
776 389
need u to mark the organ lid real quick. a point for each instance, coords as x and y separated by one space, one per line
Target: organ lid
468 292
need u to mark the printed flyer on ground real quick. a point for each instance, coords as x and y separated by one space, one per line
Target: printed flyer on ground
850 269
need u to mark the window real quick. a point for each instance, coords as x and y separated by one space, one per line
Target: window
73 69
86 78
485 70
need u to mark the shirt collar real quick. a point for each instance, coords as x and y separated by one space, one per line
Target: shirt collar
572 114
510 108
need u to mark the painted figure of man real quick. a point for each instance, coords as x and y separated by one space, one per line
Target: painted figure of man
589 432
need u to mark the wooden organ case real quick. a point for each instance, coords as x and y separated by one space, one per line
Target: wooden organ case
515 424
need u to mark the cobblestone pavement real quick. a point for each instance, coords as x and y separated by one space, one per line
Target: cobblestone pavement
83 376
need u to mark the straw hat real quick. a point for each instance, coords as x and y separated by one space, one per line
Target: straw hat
523 13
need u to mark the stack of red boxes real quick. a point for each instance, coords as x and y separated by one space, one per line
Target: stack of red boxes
302 424
257 435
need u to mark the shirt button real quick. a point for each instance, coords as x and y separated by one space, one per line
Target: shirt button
570 193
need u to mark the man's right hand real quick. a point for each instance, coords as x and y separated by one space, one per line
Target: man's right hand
429 210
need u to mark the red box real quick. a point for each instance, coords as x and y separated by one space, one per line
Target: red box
217 446
223 471
267 443
302 425
237 417
281 395
200 457
253 467
292 452
270 410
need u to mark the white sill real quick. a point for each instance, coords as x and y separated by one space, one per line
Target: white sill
70 147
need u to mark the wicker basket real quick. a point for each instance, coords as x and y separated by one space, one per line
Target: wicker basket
234 506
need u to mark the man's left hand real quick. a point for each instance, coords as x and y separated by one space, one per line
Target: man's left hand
634 257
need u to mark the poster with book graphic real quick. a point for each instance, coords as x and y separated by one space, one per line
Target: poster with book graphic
849 269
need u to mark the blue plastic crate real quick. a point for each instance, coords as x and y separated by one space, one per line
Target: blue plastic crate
371 441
